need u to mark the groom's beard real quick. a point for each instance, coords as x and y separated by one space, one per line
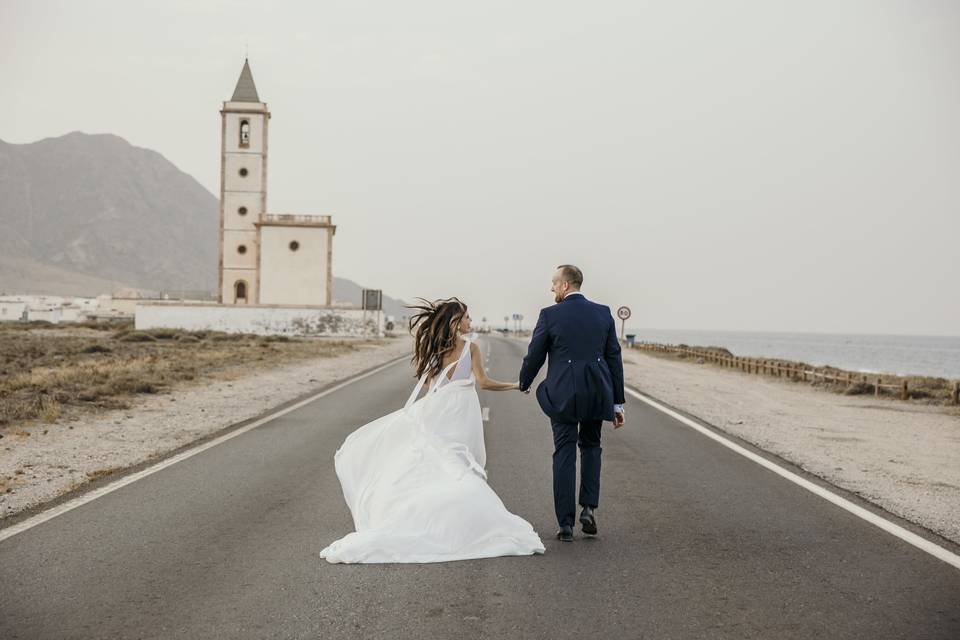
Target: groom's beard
558 298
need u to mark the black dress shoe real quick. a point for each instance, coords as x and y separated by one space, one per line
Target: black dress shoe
588 521
565 534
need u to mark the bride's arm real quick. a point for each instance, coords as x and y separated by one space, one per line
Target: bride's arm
480 374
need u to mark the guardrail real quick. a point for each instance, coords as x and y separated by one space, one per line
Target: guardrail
794 370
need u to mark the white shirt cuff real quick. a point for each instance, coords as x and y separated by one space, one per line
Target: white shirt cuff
618 408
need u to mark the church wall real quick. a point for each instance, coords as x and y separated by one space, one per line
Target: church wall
293 277
259 319
233 240
232 179
232 201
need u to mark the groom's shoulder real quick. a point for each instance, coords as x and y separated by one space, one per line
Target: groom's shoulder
550 310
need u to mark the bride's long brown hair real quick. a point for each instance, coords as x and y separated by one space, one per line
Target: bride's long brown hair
435 332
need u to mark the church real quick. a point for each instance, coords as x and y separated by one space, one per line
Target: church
265 258
275 269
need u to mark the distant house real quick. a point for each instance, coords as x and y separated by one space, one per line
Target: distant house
41 311
57 309
14 310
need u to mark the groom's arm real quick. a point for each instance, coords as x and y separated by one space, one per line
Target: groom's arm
536 353
611 353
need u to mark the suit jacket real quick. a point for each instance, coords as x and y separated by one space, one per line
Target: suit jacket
585 370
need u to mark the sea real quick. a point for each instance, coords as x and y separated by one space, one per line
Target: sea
936 356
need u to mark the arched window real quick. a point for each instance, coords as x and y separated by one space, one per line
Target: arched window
239 291
244 133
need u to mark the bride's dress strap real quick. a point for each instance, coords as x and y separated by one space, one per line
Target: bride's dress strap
443 374
416 390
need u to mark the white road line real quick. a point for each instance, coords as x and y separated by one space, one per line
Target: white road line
485 412
907 536
53 512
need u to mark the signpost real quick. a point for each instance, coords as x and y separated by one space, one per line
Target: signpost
517 319
623 313
372 301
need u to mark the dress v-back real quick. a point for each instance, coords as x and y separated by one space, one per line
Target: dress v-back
415 482
464 368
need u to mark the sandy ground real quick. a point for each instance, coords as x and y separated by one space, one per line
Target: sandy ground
56 458
904 457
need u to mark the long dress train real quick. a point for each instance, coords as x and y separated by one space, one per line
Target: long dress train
415 483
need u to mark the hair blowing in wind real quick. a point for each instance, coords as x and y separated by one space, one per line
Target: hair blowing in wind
435 332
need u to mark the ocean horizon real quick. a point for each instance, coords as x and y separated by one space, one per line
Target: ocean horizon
935 356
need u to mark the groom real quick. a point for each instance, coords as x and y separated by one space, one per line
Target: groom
584 387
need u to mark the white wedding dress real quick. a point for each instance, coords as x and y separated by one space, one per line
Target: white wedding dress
415 483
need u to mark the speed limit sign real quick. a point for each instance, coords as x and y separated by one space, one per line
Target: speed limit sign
623 313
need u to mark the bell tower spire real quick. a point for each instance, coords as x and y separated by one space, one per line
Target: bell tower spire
246 90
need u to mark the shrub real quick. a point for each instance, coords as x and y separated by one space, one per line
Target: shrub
138 336
97 348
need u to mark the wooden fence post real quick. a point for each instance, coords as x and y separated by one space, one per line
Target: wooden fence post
876 388
955 396
905 391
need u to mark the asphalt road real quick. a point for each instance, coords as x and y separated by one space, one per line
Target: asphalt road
695 542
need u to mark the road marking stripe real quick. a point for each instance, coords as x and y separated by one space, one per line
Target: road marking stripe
53 512
907 536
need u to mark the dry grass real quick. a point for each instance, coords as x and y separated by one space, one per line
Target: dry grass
49 372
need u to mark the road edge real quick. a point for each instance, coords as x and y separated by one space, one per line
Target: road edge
89 491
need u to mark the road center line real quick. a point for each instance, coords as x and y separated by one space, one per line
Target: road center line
53 512
907 536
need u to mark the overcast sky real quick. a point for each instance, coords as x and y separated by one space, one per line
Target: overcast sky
785 166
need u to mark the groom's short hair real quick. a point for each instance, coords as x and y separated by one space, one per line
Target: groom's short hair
571 274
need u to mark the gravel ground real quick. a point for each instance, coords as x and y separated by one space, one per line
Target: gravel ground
901 456
41 462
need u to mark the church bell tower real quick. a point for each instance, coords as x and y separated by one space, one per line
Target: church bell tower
243 190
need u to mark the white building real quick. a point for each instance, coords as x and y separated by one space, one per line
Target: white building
275 272
13 309
282 259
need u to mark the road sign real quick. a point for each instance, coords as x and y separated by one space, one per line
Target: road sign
372 299
623 313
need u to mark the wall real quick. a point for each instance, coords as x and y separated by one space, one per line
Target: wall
293 277
259 319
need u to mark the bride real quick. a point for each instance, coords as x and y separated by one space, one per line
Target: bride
414 479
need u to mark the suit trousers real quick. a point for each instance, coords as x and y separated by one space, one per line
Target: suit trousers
566 438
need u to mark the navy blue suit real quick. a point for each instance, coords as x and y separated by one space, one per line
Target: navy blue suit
584 380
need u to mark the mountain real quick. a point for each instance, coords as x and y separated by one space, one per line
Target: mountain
23 275
98 206
88 214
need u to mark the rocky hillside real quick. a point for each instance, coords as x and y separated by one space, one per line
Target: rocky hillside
98 206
